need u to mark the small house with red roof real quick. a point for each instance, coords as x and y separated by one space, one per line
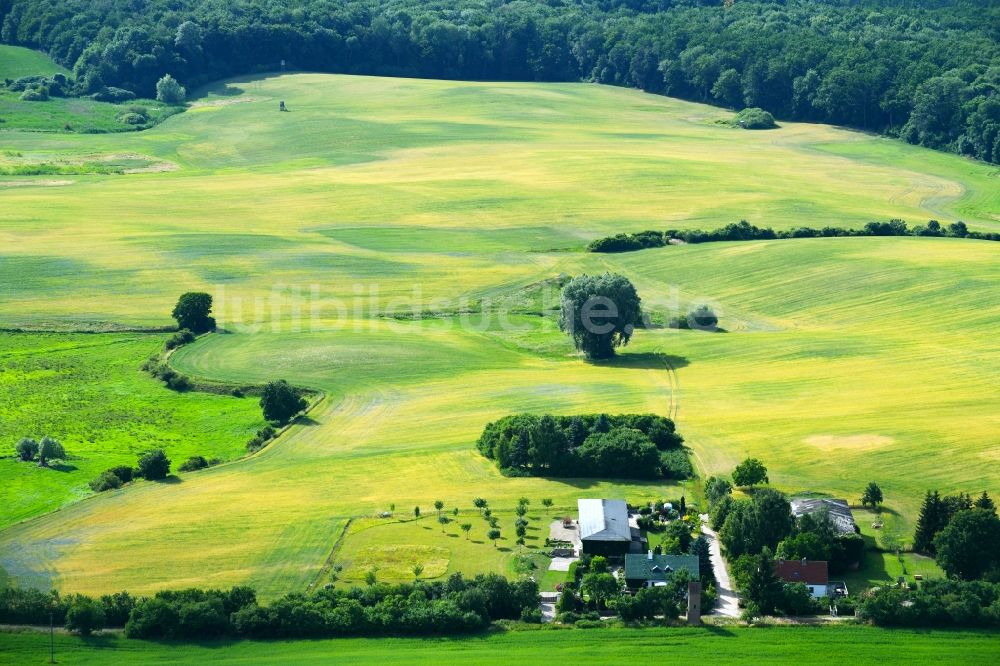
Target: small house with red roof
813 573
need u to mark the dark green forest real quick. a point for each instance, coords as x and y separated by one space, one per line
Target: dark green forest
927 71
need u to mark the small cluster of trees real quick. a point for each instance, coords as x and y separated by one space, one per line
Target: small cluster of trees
754 118
933 603
600 313
963 535
744 231
45 450
700 318
593 445
153 466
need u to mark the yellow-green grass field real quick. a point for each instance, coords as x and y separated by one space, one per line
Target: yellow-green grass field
847 360
474 174
682 645
87 391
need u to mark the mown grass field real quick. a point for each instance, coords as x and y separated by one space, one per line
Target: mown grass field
17 61
847 360
682 645
87 391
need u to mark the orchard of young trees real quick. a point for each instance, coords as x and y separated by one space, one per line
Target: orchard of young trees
924 70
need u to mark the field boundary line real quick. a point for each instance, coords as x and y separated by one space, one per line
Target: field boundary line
328 563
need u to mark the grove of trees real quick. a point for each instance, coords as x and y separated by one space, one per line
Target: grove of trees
639 446
923 70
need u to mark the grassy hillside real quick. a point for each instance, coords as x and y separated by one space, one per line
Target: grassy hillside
88 392
479 170
17 61
775 645
848 359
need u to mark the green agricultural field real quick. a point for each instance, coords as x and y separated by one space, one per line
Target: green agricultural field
712 644
17 61
88 392
369 242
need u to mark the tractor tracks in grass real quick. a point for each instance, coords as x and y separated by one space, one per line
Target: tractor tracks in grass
673 401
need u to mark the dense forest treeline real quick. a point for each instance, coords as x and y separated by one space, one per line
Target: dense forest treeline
925 70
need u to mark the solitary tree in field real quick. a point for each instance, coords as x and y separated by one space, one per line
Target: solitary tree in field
169 91
749 473
280 402
444 520
547 503
600 313
26 449
154 465
438 504
872 497
466 527
371 576
523 501
417 570
454 511
487 512
479 503
493 535
193 312
521 510
416 512
49 449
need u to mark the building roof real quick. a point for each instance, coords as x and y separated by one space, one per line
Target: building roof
839 510
604 520
810 572
659 567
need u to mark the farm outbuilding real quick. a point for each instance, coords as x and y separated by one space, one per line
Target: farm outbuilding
605 528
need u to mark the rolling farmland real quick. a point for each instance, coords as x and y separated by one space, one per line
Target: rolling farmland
368 243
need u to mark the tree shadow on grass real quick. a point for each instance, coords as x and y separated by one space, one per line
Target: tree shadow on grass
585 483
100 640
719 630
173 479
645 361
504 549
63 467
305 421
477 541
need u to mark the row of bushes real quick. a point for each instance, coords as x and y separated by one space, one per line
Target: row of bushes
934 603
602 445
153 466
31 606
260 440
453 606
744 231
174 380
